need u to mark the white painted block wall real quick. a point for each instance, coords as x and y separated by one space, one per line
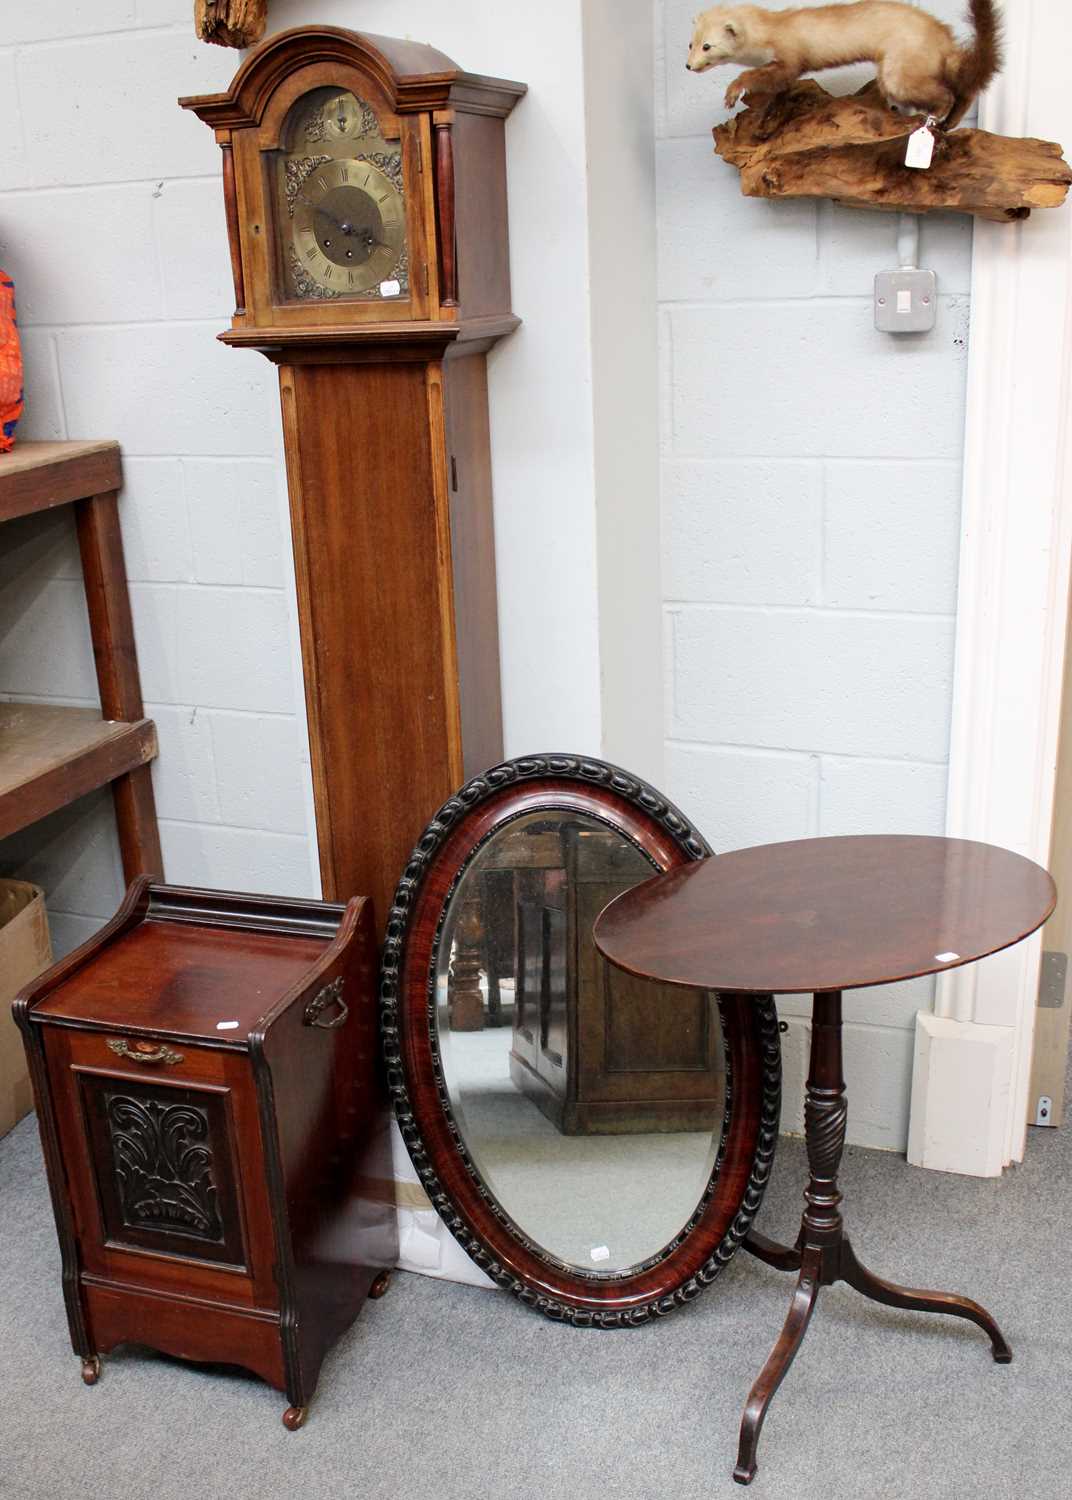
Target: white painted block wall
811 493
111 223
810 472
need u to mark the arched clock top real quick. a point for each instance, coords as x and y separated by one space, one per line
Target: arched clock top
412 76
392 219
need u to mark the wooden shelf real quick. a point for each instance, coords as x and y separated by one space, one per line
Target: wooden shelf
37 476
49 756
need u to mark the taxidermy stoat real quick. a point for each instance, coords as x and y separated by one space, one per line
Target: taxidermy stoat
921 68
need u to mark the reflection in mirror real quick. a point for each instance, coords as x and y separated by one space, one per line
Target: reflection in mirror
590 1102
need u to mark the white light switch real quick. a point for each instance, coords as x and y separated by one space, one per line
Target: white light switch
905 300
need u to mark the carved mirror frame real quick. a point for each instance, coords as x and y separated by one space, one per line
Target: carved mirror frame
465 1202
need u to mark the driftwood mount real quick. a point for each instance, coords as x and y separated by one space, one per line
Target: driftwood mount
230 23
806 143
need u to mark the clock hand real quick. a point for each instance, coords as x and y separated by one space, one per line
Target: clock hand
343 225
367 237
319 209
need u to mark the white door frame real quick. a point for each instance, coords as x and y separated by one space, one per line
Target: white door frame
973 1054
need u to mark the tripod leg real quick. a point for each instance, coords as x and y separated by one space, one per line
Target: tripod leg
781 1257
774 1371
887 1292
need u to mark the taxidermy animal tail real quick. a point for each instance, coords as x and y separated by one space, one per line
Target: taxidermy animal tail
978 63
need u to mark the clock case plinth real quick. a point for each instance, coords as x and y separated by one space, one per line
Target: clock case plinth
385 423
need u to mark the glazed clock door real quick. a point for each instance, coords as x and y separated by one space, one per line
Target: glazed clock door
343 223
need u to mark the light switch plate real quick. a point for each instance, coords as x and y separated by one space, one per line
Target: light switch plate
906 301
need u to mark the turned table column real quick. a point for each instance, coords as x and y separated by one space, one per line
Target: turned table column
825 1114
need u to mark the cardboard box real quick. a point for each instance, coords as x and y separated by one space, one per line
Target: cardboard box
25 951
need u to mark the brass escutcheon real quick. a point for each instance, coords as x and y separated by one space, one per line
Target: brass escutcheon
141 1052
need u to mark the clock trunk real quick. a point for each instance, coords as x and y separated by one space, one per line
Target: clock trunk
395 563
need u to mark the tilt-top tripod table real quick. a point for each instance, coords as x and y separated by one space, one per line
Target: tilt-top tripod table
826 915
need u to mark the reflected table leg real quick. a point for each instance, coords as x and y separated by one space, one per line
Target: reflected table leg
823 1253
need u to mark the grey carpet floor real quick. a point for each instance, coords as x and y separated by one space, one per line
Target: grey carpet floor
445 1392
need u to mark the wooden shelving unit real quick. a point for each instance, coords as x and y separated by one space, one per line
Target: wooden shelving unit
51 755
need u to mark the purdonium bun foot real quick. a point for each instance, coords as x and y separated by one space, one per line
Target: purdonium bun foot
294 1417
379 1286
91 1369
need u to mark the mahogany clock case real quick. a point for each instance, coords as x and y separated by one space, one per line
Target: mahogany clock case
598 1145
352 158
430 128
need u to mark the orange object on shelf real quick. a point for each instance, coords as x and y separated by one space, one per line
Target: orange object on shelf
10 365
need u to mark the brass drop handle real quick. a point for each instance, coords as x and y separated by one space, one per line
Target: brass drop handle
330 995
143 1052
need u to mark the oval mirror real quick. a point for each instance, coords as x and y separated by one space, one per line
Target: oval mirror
599 1145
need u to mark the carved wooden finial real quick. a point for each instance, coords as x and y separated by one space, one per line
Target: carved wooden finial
230 23
806 143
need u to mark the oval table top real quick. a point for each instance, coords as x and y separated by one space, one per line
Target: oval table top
826 914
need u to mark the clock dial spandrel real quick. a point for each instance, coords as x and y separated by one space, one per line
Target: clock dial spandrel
341 209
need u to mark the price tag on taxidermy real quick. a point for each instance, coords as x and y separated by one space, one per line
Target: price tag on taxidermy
920 148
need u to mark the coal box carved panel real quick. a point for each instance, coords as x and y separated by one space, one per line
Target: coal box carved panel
164 1168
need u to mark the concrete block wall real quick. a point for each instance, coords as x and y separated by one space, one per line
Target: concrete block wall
811 494
111 222
810 474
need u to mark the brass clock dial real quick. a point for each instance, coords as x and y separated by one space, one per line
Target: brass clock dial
341 214
348 226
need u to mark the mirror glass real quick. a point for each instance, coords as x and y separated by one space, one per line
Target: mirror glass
590 1102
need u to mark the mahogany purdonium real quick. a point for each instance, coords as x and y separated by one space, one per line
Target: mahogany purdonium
561 1122
215 1129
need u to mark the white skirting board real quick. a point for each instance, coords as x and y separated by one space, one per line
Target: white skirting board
425 1244
964 1072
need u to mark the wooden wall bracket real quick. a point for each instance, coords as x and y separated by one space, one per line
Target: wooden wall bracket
806 143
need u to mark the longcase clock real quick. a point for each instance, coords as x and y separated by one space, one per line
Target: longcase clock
365 188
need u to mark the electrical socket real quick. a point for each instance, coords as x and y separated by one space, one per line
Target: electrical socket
906 301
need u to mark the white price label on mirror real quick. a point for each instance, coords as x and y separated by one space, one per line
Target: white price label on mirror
600 1252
